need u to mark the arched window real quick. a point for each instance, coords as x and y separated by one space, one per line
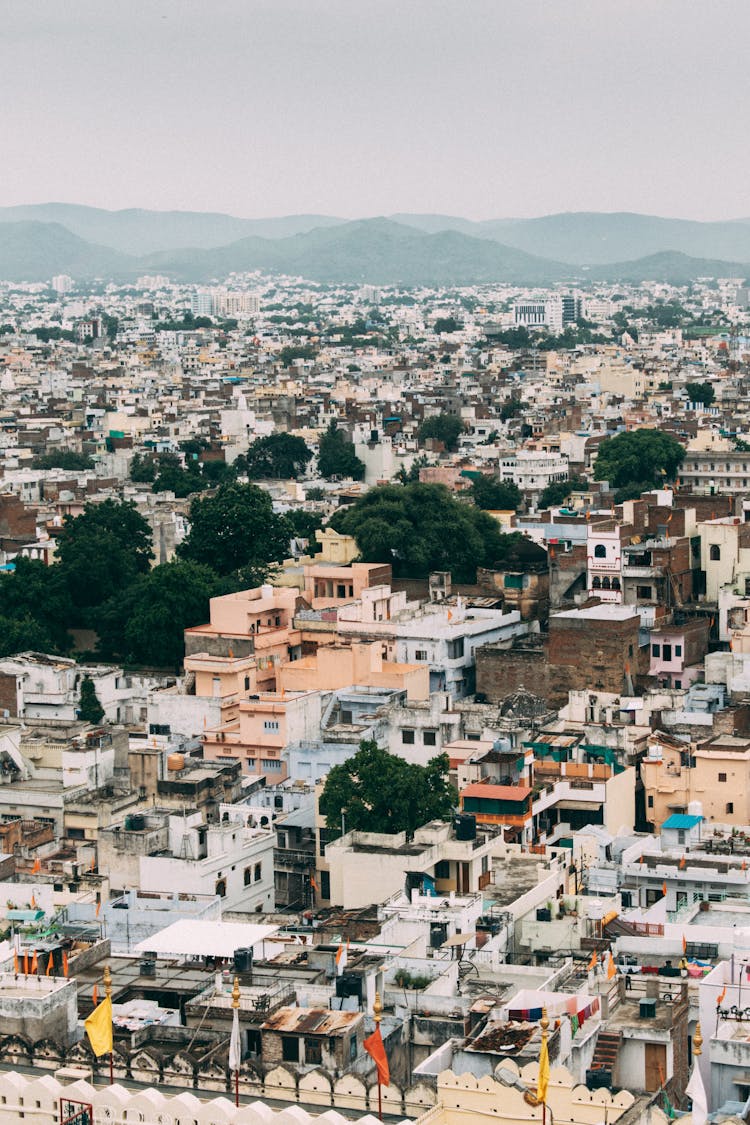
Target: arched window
600 551
714 553
605 583
615 583
597 583
221 888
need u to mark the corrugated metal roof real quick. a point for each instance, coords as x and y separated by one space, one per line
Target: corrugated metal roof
311 1021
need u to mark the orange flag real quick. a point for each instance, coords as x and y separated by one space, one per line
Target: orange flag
49 965
593 961
720 997
376 1050
34 964
98 908
37 866
684 944
65 963
32 904
313 884
682 864
664 889
611 967
26 963
95 995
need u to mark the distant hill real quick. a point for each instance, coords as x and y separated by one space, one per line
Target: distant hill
378 251
142 232
597 238
669 266
32 251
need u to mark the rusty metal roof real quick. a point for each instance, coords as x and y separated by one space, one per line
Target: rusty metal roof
311 1021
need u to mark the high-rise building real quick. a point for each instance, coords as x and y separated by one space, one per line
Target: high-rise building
61 283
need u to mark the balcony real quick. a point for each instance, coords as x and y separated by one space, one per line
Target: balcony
298 861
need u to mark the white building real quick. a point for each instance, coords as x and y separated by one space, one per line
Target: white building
532 470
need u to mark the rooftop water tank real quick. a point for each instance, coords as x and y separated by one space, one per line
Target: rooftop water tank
175 762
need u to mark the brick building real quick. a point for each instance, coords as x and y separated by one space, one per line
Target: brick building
594 648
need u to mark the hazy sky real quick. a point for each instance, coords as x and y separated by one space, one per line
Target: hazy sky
484 108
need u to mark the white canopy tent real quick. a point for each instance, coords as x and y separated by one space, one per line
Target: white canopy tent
205 938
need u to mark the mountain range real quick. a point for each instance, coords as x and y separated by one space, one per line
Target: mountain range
38 241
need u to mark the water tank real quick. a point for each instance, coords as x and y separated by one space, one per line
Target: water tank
466 826
742 944
595 909
243 960
502 745
695 808
137 822
175 762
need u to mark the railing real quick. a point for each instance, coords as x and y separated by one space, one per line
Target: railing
283 857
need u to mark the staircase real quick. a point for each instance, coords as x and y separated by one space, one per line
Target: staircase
605 1053
617 927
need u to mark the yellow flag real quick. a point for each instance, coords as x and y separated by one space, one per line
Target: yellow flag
99 1028
543 1080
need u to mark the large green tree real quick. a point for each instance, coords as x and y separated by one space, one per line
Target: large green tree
90 709
336 456
443 427
146 624
651 456
492 493
560 490
419 528
102 551
236 529
281 456
36 597
379 792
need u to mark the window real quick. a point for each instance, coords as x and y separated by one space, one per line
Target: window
271 724
730 806
325 884
421 655
290 1048
407 737
429 738
258 872
643 592
714 553
456 648
247 683
656 650
353 1048
600 551
313 1051
722 777
680 836
248 876
271 763
221 888
678 650
651 802
443 869
597 583
667 652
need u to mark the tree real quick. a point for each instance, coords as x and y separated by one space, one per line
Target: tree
407 476
446 324
645 455
558 491
442 427
701 392
236 529
35 598
511 408
379 792
303 524
146 625
282 456
102 551
90 709
63 459
336 456
419 528
493 493
142 469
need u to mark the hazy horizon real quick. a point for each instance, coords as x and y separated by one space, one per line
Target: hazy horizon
481 109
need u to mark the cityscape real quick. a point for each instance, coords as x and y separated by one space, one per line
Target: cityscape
374 568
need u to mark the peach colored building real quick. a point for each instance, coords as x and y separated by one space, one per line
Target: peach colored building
337 666
266 723
716 773
258 621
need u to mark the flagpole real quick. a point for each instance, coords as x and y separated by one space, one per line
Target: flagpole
377 1015
108 992
544 1023
235 1006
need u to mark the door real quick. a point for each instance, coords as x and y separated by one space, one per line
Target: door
655 1066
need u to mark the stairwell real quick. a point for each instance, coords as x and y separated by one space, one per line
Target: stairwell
605 1052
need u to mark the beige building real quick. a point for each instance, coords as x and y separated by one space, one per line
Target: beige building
338 666
716 774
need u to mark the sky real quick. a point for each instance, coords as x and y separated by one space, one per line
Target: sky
480 108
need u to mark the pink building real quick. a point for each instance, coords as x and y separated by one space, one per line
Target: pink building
677 652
